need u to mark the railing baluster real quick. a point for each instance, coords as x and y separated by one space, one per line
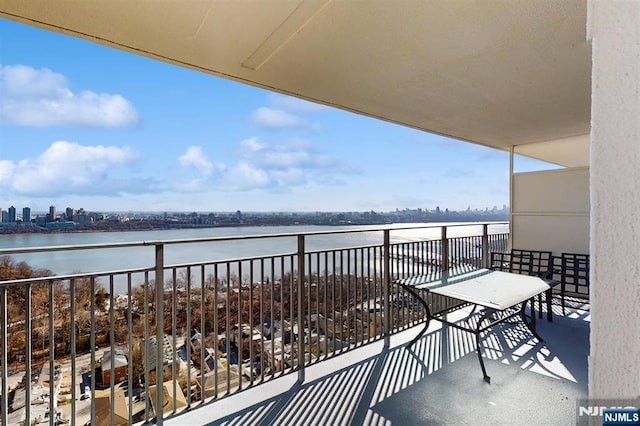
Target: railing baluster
130 350
444 244
240 344
249 373
387 290
159 276
112 348
341 298
203 331
174 337
188 337
347 307
4 398
28 352
261 298
358 305
272 358
313 310
301 310
325 304
146 348
282 312
485 246
92 342
228 327
52 359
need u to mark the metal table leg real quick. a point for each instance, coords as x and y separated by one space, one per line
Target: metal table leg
428 314
487 313
531 325
548 296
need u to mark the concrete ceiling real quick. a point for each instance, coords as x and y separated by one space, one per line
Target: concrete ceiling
493 72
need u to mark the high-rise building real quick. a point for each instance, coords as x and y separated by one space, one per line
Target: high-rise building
2 214
52 213
26 214
12 214
70 213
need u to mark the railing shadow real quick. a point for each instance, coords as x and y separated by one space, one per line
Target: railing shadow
428 383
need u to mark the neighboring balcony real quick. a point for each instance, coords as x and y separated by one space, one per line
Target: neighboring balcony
222 338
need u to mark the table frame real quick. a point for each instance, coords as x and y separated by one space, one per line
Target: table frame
488 314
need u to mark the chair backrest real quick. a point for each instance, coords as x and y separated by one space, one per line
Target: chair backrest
541 261
518 263
500 261
521 262
575 273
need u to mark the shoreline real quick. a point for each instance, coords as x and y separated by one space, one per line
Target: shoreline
16 229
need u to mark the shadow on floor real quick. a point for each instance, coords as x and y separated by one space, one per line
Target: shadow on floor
439 381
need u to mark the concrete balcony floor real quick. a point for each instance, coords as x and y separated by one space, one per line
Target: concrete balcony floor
438 381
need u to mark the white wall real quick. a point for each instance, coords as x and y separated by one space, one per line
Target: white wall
550 210
614 364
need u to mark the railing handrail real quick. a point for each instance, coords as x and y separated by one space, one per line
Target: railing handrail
209 239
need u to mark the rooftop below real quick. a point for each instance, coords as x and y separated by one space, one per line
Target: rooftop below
437 381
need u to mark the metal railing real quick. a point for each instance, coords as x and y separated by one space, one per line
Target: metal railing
203 330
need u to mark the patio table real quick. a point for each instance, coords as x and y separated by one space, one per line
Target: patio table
503 296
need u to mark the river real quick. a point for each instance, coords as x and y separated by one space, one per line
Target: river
66 262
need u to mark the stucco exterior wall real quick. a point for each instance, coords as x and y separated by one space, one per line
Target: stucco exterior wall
614 364
550 210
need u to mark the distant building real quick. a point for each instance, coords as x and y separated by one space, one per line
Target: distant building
82 218
59 225
103 407
12 214
150 348
26 214
169 397
52 214
209 363
115 361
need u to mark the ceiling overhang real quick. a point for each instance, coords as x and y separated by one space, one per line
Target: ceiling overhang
499 73
568 152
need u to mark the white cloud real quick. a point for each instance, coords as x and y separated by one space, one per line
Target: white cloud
276 119
7 171
41 97
260 165
284 112
244 176
194 157
295 153
69 168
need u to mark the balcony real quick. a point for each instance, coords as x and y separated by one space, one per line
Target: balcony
532 383
253 340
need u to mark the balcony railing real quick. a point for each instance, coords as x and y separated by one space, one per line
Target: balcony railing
200 331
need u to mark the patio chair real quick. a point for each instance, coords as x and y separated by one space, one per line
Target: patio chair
574 279
540 262
541 266
500 261
537 263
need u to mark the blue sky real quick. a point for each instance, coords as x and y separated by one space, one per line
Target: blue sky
82 125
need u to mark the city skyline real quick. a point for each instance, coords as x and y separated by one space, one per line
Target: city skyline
86 125
12 213
53 209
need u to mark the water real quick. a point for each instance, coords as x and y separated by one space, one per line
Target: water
98 260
